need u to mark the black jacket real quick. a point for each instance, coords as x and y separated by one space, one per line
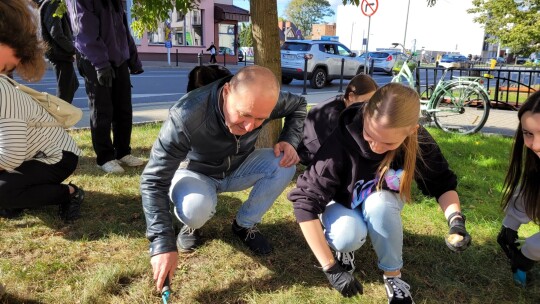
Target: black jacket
321 120
195 134
345 166
56 33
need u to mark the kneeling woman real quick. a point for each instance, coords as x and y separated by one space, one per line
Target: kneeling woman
33 161
358 183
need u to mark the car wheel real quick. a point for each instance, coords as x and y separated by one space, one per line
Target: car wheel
286 79
318 79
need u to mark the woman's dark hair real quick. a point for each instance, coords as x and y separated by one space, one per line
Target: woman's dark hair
361 84
524 172
203 75
19 30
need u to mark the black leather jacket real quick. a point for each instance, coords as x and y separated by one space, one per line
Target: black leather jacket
195 135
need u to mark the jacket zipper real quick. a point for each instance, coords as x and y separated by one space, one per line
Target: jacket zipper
229 158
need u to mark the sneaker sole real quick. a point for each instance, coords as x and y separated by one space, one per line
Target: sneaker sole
129 165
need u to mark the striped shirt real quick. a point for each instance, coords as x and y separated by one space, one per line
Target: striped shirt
18 141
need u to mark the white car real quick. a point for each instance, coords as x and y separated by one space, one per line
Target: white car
324 63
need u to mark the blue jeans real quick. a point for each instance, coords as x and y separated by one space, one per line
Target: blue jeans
195 195
380 218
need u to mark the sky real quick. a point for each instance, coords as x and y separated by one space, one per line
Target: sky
445 27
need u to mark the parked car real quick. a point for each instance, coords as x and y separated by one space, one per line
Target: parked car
383 61
225 50
453 61
324 63
240 56
521 60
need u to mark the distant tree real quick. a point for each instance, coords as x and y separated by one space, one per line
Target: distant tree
245 36
305 13
514 24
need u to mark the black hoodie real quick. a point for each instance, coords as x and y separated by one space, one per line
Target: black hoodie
344 169
56 32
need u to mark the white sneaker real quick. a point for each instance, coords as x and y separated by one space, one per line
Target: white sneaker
112 166
131 161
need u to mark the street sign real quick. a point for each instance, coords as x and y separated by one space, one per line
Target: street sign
369 7
168 44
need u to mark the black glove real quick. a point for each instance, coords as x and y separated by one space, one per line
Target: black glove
507 239
105 76
343 281
458 239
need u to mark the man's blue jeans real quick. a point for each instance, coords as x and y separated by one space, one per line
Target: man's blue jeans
380 218
195 195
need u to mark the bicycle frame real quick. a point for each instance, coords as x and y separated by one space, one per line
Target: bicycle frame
427 105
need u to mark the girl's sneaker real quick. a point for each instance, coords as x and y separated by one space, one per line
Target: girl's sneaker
397 290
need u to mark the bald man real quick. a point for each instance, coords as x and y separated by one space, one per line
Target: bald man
206 147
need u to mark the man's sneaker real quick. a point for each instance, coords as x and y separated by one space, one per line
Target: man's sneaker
131 161
188 239
397 290
112 166
71 210
253 238
346 260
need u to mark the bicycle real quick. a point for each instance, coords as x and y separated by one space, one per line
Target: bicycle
458 105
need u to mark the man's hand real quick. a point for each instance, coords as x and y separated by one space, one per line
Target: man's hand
290 157
105 76
163 264
343 281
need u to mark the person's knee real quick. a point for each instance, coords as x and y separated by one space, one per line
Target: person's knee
344 231
382 203
194 199
195 210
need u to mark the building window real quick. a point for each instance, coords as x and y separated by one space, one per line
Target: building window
184 30
226 38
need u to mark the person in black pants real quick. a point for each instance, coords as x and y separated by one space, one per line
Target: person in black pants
212 50
56 31
108 56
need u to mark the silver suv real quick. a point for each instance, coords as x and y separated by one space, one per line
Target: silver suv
324 62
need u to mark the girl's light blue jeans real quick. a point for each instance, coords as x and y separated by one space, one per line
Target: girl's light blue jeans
195 195
380 218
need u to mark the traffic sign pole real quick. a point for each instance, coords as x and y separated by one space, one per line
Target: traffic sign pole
368 9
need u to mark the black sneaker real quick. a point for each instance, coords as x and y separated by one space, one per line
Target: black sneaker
71 210
188 239
346 260
397 290
253 238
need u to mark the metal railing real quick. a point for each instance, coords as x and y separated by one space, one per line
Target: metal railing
507 87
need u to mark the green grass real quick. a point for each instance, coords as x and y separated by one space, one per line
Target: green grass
103 258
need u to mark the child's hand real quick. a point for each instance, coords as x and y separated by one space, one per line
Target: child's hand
507 239
458 238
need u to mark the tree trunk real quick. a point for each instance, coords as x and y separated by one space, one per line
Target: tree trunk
266 51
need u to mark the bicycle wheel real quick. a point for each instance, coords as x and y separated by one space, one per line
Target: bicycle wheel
460 108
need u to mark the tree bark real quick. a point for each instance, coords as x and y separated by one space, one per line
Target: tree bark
266 51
